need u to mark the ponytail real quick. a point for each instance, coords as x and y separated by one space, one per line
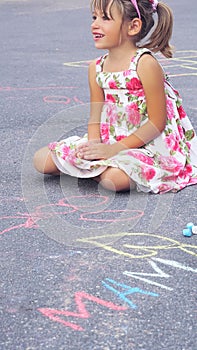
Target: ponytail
159 40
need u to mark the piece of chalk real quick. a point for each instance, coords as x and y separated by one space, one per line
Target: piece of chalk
194 230
187 232
190 225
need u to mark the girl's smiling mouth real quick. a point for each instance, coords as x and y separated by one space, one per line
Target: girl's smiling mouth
97 36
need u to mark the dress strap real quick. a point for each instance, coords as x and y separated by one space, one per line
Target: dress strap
135 59
99 63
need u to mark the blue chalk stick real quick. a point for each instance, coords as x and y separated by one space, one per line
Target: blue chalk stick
190 225
187 232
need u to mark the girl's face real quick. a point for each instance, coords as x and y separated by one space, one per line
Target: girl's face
108 31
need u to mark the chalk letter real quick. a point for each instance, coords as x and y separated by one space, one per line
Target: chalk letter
128 290
175 264
159 273
54 314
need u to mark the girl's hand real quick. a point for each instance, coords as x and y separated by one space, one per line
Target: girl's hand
95 150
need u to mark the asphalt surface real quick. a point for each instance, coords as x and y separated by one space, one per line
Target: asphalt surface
83 268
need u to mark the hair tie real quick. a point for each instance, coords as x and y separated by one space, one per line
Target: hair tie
154 4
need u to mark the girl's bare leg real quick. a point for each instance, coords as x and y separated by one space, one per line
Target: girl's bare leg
115 179
43 162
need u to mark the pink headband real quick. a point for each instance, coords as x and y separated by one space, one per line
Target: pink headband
153 2
134 2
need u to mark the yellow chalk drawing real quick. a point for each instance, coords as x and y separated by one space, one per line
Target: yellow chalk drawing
185 61
137 251
77 64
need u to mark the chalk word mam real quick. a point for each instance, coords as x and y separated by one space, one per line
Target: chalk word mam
121 290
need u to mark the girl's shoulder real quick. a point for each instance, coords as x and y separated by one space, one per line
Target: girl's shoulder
139 53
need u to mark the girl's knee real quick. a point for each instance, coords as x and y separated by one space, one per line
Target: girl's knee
115 180
38 160
43 162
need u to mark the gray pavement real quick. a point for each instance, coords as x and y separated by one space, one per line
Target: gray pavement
83 268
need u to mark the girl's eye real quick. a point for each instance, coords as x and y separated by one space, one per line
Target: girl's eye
106 18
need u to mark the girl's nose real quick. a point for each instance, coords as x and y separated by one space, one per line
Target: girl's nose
95 23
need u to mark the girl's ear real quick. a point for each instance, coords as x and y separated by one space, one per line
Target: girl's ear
134 27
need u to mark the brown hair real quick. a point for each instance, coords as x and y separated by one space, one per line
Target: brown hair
161 34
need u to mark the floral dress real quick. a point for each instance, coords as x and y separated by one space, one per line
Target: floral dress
167 163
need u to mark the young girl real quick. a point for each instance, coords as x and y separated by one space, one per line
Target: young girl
138 133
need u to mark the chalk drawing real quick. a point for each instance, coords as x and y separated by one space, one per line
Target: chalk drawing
82 312
81 201
78 64
36 88
32 219
159 273
57 99
74 204
11 199
127 291
185 61
61 99
77 100
132 214
68 205
175 264
165 243
121 290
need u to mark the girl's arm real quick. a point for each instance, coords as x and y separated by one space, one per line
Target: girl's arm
152 78
96 104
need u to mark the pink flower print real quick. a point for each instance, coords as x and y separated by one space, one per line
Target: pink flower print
170 178
133 113
188 144
126 73
120 137
176 92
148 173
172 142
68 154
110 98
142 157
98 61
181 133
112 113
112 84
170 109
164 188
52 146
72 157
65 152
187 171
134 84
170 164
105 132
182 113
